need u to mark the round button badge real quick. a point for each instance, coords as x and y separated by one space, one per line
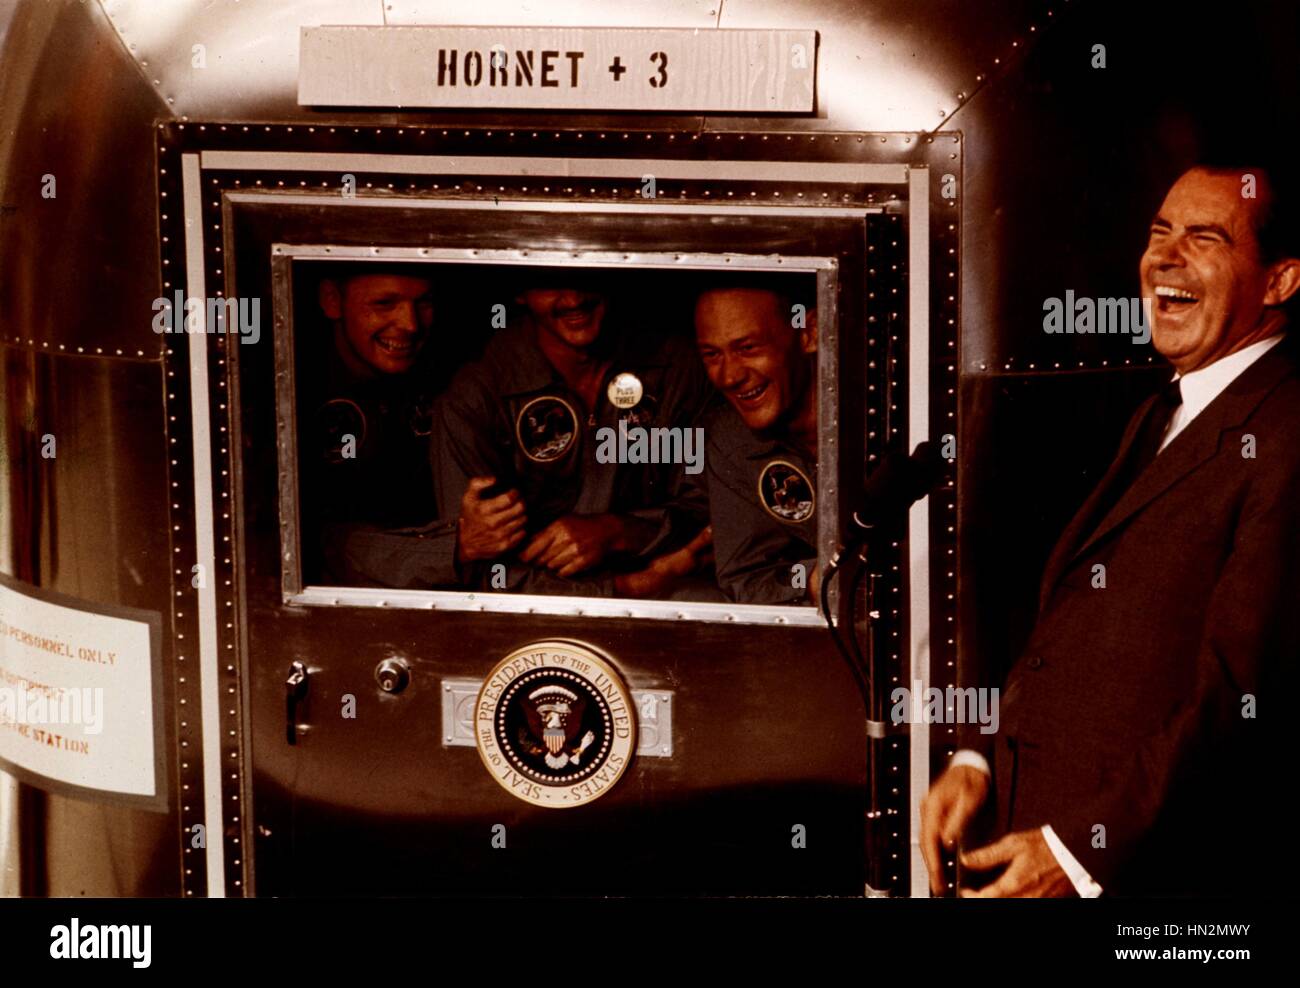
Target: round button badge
625 390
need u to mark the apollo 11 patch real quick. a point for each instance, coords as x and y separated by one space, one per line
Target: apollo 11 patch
546 428
554 724
341 427
786 493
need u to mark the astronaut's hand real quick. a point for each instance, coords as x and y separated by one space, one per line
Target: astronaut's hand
575 543
948 807
488 528
663 571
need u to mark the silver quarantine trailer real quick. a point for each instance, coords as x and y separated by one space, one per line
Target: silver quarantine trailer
180 184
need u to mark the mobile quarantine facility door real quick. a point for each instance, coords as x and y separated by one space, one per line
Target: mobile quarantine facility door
425 737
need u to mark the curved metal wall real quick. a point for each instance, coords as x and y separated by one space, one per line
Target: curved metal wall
78 270
78 273
888 65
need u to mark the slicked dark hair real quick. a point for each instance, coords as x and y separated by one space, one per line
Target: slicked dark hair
1277 226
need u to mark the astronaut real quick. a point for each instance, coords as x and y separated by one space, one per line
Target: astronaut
538 510
759 349
369 403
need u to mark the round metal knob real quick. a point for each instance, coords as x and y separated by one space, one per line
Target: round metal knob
393 675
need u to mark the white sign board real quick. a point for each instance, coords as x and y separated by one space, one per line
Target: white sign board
543 68
78 688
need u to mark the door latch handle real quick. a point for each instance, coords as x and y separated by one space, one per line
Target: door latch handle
295 691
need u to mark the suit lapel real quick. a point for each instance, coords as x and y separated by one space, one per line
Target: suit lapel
1189 449
1196 444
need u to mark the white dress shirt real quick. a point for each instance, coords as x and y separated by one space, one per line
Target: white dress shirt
1198 388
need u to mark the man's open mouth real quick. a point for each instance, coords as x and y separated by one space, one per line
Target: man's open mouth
752 395
578 314
398 348
1170 299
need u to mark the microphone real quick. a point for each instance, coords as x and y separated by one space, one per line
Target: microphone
897 483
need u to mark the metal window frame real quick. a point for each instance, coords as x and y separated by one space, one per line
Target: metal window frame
295 592
204 533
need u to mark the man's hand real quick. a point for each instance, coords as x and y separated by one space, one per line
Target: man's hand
1032 869
575 543
487 528
663 571
948 807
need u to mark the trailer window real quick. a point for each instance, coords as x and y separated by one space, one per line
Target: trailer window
599 432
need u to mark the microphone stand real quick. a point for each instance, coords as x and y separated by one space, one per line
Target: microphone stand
853 565
888 491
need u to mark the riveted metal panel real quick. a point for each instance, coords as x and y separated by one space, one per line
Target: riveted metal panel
239 90
78 233
324 786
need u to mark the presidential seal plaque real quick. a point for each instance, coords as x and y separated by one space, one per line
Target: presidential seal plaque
554 724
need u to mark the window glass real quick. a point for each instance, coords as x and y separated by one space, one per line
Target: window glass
555 429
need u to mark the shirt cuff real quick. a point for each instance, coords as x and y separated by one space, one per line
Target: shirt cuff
1080 879
971 759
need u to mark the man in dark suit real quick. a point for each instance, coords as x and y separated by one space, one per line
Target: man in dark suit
1131 758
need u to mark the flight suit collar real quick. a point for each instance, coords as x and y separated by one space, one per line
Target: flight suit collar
521 363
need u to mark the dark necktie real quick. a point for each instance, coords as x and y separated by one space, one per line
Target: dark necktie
1146 444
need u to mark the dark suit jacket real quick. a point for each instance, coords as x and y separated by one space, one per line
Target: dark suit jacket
1127 723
